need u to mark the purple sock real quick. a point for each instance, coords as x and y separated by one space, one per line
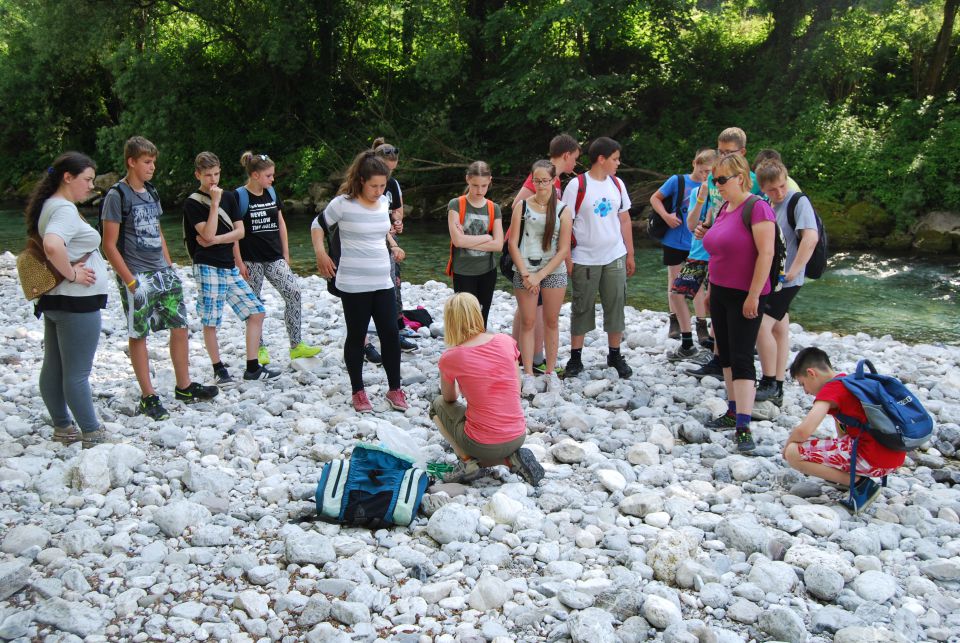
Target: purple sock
743 421
731 407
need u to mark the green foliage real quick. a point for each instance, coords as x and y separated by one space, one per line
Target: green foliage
834 86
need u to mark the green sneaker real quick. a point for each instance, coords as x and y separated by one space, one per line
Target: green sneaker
263 356
151 407
301 350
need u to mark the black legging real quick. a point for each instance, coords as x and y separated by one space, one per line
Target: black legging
358 308
480 286
735 334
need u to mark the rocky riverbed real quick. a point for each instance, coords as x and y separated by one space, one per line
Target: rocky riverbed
647 525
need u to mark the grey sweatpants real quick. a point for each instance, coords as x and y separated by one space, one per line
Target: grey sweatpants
69 344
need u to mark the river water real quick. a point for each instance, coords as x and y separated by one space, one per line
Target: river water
913 299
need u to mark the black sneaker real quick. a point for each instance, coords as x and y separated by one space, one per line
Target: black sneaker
682 354
744 440
371 355
619 363
262 373
769 391
405 345
707 343
222 377
151 407
573 368
710 368
196 392
523 462
726 421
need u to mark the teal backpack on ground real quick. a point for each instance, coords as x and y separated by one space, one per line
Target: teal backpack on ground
374 488
243 198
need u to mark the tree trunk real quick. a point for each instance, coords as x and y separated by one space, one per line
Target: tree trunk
941 49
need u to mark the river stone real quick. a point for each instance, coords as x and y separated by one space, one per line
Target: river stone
714 595
199 478
858 634
23 537
660 612
592 625
14 575
255 604
92 469
16 625
174 518
489 593
611 480
574 599
821 520
503 509
644 454
123 459
743 611
452 522
875 586
670 549
805 555
350 613
743 533
80 541
942 569
743 468
861 541
640 504
832 619
824 583
65 616
567 451
308 547
782 624
773 577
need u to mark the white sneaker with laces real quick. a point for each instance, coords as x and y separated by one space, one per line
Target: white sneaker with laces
553 383
528 385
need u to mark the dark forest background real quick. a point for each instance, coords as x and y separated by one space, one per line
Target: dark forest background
859 95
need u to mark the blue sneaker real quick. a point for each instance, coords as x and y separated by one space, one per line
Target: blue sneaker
863 493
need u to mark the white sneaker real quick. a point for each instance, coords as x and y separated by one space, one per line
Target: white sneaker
553 383
528 385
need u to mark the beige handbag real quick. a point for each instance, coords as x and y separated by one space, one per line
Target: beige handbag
37 275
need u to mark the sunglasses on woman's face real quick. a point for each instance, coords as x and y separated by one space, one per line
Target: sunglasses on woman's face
722 180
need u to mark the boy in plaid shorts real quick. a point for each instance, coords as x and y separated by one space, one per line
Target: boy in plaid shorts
830 459
212 222
150 289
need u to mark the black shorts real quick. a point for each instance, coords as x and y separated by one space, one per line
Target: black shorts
673 256
778 303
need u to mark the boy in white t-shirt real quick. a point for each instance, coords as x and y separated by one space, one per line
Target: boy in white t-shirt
603 255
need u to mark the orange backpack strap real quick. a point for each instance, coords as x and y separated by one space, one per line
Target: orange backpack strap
462 207
490 211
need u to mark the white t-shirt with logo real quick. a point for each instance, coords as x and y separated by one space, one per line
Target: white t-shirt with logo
596 226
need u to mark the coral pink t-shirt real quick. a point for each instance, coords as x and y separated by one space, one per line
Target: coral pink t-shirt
733 254
488 379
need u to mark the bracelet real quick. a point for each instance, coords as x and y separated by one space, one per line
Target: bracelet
701 200
132 282
74 280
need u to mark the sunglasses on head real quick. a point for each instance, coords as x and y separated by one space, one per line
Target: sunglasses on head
389 151
722 180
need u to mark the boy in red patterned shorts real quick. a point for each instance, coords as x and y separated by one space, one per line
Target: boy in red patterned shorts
830 458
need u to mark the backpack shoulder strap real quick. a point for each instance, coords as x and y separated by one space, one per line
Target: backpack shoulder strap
581 192
678 202
462 205
272 193
152 191
490 212
243 200
617 182
747 213
204 200
792 210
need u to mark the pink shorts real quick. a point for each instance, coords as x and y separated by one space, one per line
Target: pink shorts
835 453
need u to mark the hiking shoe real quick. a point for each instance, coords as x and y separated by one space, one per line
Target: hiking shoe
726 421
407 346
553 383
573 368
769 391
708 344
620 363
674 331
371 355
464 471
541 368
528 386
302 350
744 440
222 377
523 462
196 392
361 403
151 407
710 368
682 354
397 400
67 434
864 492
263 356
262 373
93 438
408 332
703 335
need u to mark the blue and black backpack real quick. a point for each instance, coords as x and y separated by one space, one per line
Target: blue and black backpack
374 488
895 417
243 198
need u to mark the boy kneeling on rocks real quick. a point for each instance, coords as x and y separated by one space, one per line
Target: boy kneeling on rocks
830 458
